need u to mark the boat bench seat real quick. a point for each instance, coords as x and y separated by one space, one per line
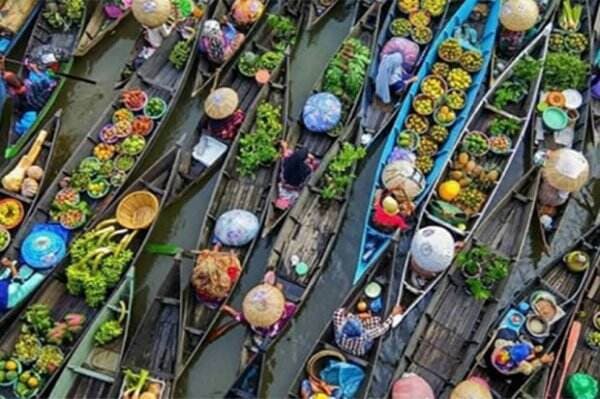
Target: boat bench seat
195 331
168 301
354 359
92 374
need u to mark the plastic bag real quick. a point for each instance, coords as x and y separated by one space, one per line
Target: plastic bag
348 377
582 386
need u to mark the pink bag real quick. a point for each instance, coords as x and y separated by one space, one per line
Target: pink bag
406 47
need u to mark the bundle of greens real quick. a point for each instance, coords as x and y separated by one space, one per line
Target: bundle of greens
63 14
565 71
338 177
180 54
110 329
98 262
259 147
284 30
516 87
346 72
484 269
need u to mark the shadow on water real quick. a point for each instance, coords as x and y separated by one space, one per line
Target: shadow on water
215 368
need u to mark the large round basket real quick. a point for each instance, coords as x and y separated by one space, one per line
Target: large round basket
137 210
314 363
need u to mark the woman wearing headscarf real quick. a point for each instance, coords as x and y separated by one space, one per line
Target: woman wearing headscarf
218 42
296 169
398 57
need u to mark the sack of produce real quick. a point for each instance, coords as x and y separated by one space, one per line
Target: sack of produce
215 274
236 228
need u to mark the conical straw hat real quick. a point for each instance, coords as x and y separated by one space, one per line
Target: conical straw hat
470 389
566 170
221 103
263 305
151 13
519 15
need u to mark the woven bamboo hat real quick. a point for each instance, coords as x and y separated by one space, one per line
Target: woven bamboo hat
263 305
519 15
566 170
137 210
221 103
472 388
151 13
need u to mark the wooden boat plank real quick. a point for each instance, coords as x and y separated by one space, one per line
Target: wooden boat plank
97 28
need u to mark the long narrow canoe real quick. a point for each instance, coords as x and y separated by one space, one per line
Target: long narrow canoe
318 144
209 73
158 180
27 13
558 284
585 359
318 11
91 370
373 241
546 140
45 36
309 233
501 60
444 344
153 346
158 78
595 105
382 274
233 191
194 170
374 113
97 28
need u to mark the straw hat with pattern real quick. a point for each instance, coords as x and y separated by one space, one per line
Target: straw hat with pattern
151 13
263 305
221 103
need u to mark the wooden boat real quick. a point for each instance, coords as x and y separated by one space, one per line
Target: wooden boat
444 344
52 126
318 11
546 140
309 232
157 78
595 107
209 73
381 274
54 293
564 288
249 91
14 37
97 28
373 241
153 347
584 358
374 113
500 61
318 144
91 370
43 35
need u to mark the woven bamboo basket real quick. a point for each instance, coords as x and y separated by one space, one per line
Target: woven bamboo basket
314 363
137 210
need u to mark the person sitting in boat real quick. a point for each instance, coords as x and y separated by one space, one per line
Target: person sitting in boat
214 275
219 42
518 357
355 333
388 214
398 58
296 168
247 12
224 117
264 309
15 85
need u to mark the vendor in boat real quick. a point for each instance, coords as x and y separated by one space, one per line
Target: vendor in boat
297 167
355 333
516 357
214 275
218 42
388 214
398 58
264 309
224 117
432 251
247 12
15 85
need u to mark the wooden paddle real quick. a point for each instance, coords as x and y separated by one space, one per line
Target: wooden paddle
62 74
572 341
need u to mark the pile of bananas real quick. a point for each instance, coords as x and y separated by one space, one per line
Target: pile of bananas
417 123
450 50
433 86
438 133
440 69
427 147
458 78
424 164
471 61
423 104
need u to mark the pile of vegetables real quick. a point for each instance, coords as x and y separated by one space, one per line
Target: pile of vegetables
483 269
338 176
180 54
346 72
98 260
141 386
259 147
250 62
284 30
111 329
63 14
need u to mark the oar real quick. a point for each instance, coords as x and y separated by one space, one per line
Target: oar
224 329
64 75
569 352
163 249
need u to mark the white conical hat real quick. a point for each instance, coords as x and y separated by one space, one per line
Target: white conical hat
519 15
432 249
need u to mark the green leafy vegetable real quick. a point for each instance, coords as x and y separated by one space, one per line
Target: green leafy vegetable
338 177
565 71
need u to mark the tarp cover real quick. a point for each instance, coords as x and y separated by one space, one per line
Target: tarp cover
14 13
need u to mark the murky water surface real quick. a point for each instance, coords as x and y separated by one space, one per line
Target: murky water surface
215 368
